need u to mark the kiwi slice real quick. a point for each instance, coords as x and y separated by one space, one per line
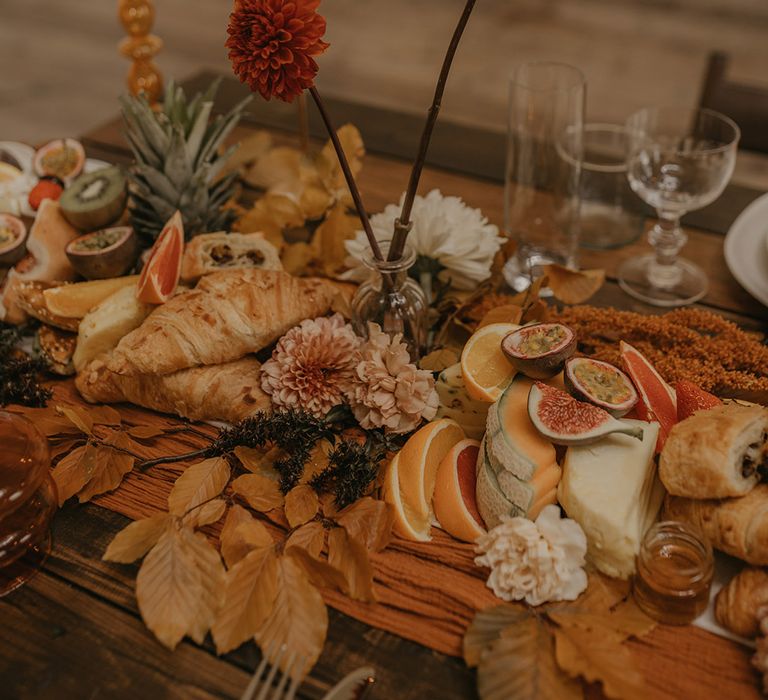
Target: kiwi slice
96 199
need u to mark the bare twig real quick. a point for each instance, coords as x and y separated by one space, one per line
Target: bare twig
402 225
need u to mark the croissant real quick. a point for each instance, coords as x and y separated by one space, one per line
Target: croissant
736 526
716 453
226 392
210 252
228 315
737 604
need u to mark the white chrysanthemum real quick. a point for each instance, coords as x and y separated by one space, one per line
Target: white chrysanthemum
445 229
537 561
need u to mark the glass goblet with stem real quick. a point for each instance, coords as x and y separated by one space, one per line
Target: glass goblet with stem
678 160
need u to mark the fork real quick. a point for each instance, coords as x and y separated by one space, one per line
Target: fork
293 669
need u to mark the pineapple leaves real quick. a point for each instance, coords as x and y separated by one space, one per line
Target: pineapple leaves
178 153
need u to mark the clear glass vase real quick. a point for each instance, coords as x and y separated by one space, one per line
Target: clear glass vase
394 300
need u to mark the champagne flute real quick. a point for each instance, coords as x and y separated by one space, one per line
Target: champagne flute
678 160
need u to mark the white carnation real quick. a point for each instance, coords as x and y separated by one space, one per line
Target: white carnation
536 561
445 229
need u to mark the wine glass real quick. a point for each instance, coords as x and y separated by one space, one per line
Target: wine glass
677 160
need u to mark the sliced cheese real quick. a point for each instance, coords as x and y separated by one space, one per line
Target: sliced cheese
612 490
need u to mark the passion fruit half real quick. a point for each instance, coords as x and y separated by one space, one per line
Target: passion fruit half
13 239
110 252
601 384
539 351
63 158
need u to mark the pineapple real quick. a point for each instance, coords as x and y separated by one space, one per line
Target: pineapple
178 162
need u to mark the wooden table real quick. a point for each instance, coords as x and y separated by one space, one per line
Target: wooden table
75 632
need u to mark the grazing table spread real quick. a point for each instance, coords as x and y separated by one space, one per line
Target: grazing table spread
75 629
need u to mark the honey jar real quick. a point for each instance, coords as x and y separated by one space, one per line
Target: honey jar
674 573
27 501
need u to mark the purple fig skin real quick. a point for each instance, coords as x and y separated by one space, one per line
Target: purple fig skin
545 365
104 263
616 410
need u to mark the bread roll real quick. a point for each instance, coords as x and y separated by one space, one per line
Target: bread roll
716 453
737 604
226 392
736 526
211 252
227 316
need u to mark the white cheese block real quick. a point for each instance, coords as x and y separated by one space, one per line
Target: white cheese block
612 490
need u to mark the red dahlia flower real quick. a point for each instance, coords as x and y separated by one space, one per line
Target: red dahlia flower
271 44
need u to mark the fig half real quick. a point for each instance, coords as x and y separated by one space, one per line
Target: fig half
539 351
600 383
103 254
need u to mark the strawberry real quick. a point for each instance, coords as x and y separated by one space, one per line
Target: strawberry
692 398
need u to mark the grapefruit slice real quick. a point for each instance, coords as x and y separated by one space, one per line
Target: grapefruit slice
406 523
76 300
454 499
419 461
658 401
484 367
161 274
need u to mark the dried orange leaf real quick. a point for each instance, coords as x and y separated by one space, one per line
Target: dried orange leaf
598 657
104 415
328 243
259 492
573 286
78 416
298 620
298 258
320 572
537 311
521 665
328 167
206 514
250 149
136 539
508 313
487 626
249 594
314 201
110 466
177 585
310 537
74 471
278 168
241 534
350 556
368 521
145 432
317 462
301 505
438 360
259 461
625 620
201 482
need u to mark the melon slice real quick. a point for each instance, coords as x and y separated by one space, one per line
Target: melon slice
161 274
658 401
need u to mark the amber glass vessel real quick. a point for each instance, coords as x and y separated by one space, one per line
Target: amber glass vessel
27 501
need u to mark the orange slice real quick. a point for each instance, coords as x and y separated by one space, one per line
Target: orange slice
484 367
76 300
406 523
161 274
454 498
419 461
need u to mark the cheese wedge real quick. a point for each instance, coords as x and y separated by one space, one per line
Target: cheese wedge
456 404
612 490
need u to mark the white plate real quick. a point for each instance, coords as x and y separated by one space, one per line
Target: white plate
746 249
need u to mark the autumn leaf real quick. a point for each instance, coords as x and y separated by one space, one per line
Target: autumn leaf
328 242
314 199
201 482
349 555
74 470
137 538
250 592
318 460
277 169
259 492
259 461
507 313
369 521
206 514
320 571
327 162
249 150
298 620
520 666
625 620
78 416
111 465
103 415
487 626
301 505
309 537
438 360
298 258
145 432
573 286
177 584
241 534
598 657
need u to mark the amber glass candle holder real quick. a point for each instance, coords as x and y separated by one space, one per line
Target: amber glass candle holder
27 501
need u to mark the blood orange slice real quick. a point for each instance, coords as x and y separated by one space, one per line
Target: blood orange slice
658 401
160 275
454 499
